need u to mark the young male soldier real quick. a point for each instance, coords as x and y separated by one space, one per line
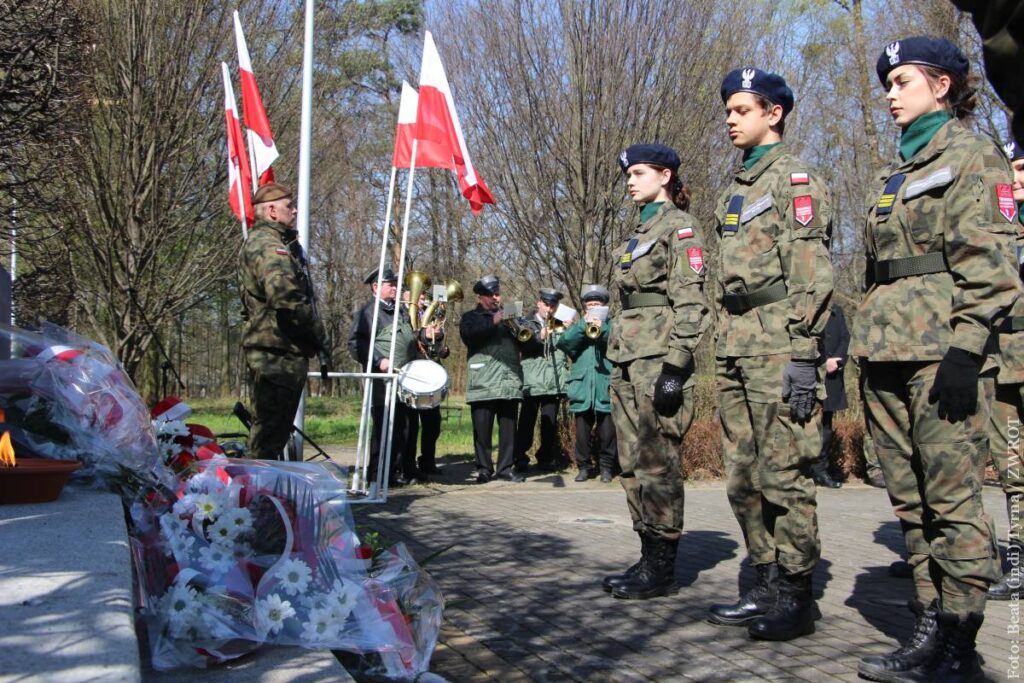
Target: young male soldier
775 284
281 330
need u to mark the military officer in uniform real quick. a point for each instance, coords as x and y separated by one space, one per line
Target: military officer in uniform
281 329
587 387
403 466
939 240
544 370
775 286
494 384
1007 411
659 278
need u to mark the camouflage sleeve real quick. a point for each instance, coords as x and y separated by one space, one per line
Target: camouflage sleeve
806 266
286 294
685 290
978 243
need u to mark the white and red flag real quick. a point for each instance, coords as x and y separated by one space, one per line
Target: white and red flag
438 122
261 140
428 154
239 175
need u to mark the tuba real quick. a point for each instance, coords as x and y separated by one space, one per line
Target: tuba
416 281
439 308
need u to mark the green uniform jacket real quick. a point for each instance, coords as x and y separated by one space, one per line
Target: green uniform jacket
544 365
1011 344
666 263
494 369
774 223
952 200
591 370
406 350
274 289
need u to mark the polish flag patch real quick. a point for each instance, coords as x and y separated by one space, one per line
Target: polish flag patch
281 252
803 209
799 178
695 256
683 233
1004 197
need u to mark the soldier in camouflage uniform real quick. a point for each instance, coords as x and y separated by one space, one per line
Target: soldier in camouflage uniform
281 331
1004 424
939 241
544 371
775 284
659 276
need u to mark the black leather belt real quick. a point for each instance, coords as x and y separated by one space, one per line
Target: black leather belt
738 304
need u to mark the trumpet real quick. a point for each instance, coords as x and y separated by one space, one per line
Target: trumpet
592 330
522 329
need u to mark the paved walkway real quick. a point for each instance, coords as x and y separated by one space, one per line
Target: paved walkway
525 603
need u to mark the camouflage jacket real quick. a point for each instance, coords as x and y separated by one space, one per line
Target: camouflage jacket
953 199
1011 344
774 226
659 275
275 294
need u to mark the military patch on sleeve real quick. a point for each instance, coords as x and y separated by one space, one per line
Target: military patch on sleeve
695 256
1004 199
799 178
281 251
683 233
803 209
732 214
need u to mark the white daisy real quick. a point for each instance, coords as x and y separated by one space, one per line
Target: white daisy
342 599
216 558
222 532
180 546
294 576
185 505
168 429
206 482
172 525
208 506
320 628
239 518
271 613
181 607
241 551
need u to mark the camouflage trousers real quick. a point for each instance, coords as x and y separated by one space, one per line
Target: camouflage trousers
650 446
1004 444
768 459
277 384
934 471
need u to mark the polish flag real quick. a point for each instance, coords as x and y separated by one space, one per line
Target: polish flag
428 154
239 175
261 140
438 122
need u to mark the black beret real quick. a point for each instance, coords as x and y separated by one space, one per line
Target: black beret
764 83
655 155
487 285
925 51
1013 151
594 293
549 296
389 276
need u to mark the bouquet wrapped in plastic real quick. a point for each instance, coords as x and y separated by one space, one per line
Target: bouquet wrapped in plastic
244 552
67 398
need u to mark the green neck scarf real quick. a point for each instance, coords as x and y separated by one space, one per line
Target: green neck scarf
920 132
649 210
754 154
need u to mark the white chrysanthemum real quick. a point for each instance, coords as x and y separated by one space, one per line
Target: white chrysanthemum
185 505
206 482
182 609
241 551
181 545
216 558
169 450
320 628
342 599
168 429
271 613
222 532
172 525
208 506
294 576
239 518
217 623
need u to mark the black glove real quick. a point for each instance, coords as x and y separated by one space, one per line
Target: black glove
956 385
668 389
799 388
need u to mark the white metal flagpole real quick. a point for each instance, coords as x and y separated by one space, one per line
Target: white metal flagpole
302 194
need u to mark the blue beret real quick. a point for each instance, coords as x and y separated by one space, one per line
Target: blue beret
764 83
1013 151
925 51
487 285
656 155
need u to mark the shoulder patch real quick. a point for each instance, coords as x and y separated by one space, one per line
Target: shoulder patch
281 251
799 178
803 209
1004 200
684 233
695 257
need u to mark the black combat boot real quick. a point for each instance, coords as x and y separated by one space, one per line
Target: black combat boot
921 649
754 603
793 613
610 582
655 577
957 660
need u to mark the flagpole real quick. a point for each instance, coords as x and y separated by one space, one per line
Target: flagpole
302 195
252 156
241 206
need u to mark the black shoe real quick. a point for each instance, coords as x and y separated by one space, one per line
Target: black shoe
606 476
921 649
825 481
397 482
755 603
655 577
957 659
483 476
511 476
583 474
876 479
1005 588
793 613
430 468
547 467
900 570
611 582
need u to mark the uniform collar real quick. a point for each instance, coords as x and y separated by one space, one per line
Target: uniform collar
748 176
644 226
286 233
936 146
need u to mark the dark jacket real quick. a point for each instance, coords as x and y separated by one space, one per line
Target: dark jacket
836 344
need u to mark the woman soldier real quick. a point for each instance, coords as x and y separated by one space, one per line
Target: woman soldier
939 237
659 275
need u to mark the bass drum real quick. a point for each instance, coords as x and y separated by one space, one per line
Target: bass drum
422 384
